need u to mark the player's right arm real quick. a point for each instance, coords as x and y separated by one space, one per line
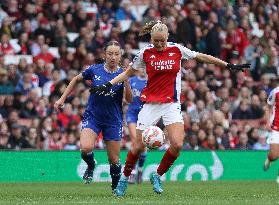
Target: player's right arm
59 103
137 63
123 76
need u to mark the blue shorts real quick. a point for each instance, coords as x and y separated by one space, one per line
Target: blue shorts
132 116
110 132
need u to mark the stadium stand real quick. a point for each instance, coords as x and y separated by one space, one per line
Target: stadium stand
43 44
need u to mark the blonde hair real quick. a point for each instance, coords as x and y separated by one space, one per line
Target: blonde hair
153 26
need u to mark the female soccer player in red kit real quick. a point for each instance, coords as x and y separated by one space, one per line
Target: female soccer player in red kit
161 61
272 111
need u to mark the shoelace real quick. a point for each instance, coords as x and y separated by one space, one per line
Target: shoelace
87 173
157 180
123 184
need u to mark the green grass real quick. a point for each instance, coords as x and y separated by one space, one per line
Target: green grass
212 192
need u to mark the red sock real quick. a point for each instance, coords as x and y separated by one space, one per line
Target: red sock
270 158
166 162
130 163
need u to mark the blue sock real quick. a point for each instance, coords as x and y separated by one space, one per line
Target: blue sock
142 160
89 159
115 173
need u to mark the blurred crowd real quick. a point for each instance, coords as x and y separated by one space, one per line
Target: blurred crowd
45 43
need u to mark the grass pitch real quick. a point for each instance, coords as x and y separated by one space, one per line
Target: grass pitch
210 192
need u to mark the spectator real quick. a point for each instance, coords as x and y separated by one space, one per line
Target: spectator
212 37
211 143
32 137
5 46
45 55
17 140
124 11
243 142
53 141
243 111
6 27
66 116
253 136
37 45
186 30
28 110
253 54
222 139
25 84
4 135
49 86
192 143
45 30
256 108
71 143
6 86
261 144
7 106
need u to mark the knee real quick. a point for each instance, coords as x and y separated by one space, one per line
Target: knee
113 159
86 148
138 148
273 155
177 146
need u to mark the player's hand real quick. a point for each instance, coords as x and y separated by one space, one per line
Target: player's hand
101 89
238 67
58 105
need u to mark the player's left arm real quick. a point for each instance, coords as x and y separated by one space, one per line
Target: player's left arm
216 61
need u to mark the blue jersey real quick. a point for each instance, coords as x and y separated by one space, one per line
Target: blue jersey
137 84
105 109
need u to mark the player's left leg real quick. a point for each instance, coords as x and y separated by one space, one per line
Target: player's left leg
113 151
176 137
173 121
273 153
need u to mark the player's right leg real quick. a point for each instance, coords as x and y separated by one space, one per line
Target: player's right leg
132 132
87 141
272 156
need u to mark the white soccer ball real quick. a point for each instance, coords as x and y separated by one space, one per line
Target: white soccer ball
153 137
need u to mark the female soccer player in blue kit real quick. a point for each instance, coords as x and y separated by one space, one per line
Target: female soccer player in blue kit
103 112
137 83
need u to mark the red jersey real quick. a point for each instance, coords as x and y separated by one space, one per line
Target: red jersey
163 70
273 100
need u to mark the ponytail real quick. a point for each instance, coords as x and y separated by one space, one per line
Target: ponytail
153 26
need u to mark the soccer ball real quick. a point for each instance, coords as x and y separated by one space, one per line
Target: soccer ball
153 137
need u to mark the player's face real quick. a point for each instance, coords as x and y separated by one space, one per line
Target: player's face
159 40
113 55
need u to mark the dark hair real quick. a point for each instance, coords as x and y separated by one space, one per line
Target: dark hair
111 43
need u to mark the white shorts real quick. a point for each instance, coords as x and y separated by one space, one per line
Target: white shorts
150 114
273 138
